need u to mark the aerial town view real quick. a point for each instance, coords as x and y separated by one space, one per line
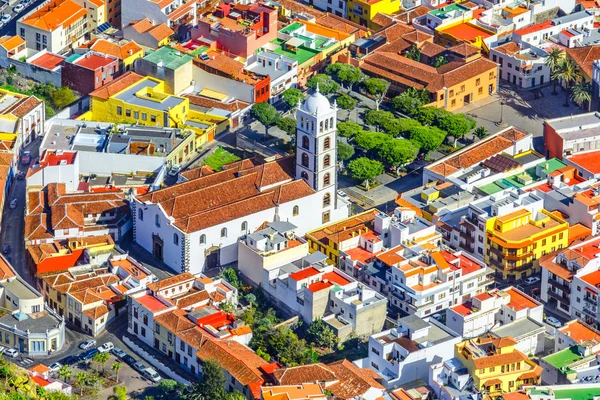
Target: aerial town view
300 199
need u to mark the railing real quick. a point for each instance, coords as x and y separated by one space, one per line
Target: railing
559 285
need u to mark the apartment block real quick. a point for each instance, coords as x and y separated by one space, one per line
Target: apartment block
569 136
22 116
168 65
362 12
525 67
86 73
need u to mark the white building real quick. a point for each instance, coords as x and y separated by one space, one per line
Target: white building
282 70
404 354
525 67
573 333
197 224
537 34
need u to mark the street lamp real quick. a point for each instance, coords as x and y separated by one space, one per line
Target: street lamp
501 122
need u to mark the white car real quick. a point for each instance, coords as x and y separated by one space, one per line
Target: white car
151 374
5 18
88 344
531 280
19 8
553 322
12 353
106 347
54 367
175 170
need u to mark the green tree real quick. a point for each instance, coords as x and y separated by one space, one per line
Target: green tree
581 93
428 138
280 342
439 61
120 392
365 169
266 114
6 373
291 97
344 151
325 83
398 152
414 53
251 299
371 140
212 385
236 396
348 129
345 102
101 359
553 60
457 125
288 125
65 373
411 100
321 335
116 367
567 72
377 88
401 126
428 115
378 118
62 97
80 381
346 74
231 276
170 389
480 132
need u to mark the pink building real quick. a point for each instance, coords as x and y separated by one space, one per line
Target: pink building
237 28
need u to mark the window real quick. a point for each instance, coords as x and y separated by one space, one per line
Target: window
305 160
153 118
224 232
480 91
145 320
157 220
143 331
326 143
128 113
326 217
140 214
304 175
478 82
296 211
326 200
305 142
119 110
22 32
202 239
144 116
157 329
327 179
176 239
136 114
326 160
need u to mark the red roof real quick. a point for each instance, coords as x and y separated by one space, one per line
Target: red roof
534 28
318 286
587 161
305 273
468 266
588 250
40 381
94 61
592 279
336 278
151 303
467 32
568 33
51 158
59 263
463 309
48 61
519 301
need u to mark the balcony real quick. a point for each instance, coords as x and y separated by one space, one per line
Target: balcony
562 298
558 285
590 309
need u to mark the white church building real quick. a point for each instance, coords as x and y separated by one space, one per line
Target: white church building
196 225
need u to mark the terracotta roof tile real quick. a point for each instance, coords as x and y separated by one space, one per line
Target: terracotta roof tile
353 382
240 361
585 57
57 13
304 374
117 85
119 50
171 281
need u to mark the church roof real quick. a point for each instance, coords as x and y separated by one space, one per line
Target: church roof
316 103
229 194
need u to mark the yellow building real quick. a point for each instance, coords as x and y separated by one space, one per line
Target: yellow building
516 241
126 51
330 239
134 99
363 11
496 366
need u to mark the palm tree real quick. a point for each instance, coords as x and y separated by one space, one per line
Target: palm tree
568 72
581 93
65 373
101 358
116 367
552 62
80 381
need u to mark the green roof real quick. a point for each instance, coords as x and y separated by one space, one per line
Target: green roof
563 358
73 57
199 50
569 394
512 182
170 58
553 165
291 28
441 12
302 55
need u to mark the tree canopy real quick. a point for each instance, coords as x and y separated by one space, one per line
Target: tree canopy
378 118
348 129
409 101
321 335
326 84
345 102
398 152
212 384
377 88
428 137
266 114
365 169
344 151
346 74
369 140
288 125
292 96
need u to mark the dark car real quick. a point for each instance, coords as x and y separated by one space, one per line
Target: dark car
68 360
88 354
6 249
20 176
129 360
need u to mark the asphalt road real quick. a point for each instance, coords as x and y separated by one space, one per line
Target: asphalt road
10 28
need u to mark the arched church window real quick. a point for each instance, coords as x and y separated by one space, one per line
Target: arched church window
305 142
326 199
326 179
244 226
321 127
326 161
202 239
326 124
305 160
331 122
302 122
304 175
326 143
296 211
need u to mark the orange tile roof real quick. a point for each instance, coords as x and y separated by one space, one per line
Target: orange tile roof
48 61
119 50
117 85
519 301
353 382
587 161
304 373
467 32
592 278
579 332
57 13
40 369
585 57
11 42
171 281
240 361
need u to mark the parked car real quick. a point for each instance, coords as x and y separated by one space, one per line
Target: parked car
343 195
18 8
129 360
106 347
54 367
2 349
6 249
68 360
151 374
26 158
21 176
553 322
88 344
531 280
89 354
13 203
5 18
12 353
118 352
139 366
175 170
